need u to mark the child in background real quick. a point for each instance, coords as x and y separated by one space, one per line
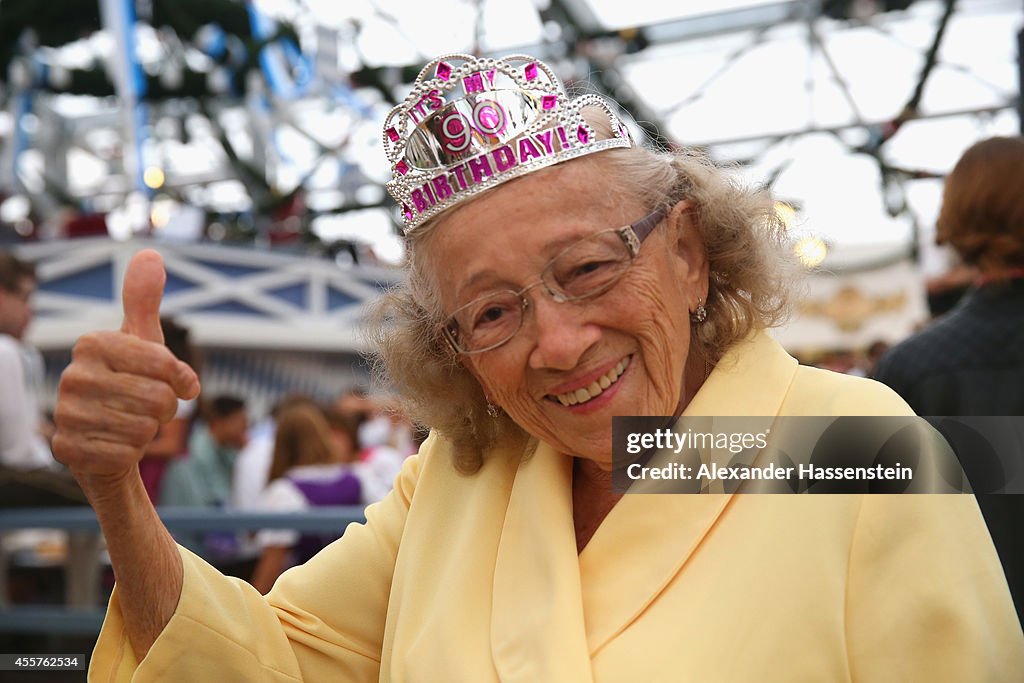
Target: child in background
310 468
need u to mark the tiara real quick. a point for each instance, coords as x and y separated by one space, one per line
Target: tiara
472 123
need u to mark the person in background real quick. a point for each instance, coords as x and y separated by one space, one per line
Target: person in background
384 426
385 438
873 355
252 466
344 432
971 360
29 476
172 440
22 446
32 361
354 402
314 464
204 477
376 474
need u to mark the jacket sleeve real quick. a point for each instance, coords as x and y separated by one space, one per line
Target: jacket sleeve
323 620
926 596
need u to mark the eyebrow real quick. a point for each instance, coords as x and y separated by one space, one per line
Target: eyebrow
555 248
548 252
460 293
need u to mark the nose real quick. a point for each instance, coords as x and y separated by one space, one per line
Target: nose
560 332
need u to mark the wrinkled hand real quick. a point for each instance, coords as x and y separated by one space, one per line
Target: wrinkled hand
121 386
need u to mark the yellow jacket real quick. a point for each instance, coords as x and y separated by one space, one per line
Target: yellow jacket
477 579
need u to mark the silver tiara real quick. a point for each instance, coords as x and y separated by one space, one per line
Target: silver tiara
472 123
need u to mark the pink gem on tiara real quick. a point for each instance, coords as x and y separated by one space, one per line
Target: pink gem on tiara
407 212
549 101
490 75
392 134
402 167
473 83
582 135
444 71
530 71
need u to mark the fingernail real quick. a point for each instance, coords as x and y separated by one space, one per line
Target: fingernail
191 380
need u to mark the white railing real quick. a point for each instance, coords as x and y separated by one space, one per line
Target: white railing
228 296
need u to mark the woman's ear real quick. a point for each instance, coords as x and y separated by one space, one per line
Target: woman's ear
690 248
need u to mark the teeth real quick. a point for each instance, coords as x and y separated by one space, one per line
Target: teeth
596 387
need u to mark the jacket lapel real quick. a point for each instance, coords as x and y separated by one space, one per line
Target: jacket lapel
537 631
647 538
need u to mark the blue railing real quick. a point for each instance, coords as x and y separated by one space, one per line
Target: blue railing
63 620
190 519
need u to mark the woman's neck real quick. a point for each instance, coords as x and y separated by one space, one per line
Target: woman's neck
592 499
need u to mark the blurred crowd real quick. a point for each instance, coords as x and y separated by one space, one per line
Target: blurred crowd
303 454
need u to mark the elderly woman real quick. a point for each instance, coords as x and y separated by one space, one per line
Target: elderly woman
558 275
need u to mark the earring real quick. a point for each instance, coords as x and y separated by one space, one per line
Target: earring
492 409
701 314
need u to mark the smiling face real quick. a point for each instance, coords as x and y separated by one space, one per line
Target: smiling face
574 365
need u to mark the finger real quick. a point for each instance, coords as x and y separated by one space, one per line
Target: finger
94 455
116 391
84 416
141 294
141 396
93 422
124 353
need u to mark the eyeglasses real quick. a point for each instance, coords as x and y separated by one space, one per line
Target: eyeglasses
583 270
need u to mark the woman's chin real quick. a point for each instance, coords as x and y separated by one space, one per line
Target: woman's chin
598 450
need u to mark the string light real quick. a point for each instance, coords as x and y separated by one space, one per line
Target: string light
154 178
160 213
811 251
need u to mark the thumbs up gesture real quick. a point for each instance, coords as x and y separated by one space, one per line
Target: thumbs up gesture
121 386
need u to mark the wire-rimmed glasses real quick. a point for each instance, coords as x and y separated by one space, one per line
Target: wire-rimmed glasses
585 269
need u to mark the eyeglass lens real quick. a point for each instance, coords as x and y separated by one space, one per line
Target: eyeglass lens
585 269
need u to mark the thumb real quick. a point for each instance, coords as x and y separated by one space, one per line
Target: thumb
140 296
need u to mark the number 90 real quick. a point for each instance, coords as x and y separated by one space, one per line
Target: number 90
488 118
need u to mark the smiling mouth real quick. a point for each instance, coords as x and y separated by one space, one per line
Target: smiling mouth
596 388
